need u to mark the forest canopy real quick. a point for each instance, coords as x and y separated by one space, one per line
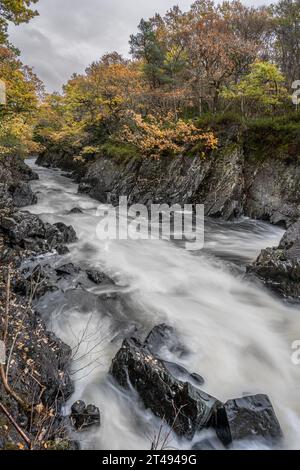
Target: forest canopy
213 58
210 60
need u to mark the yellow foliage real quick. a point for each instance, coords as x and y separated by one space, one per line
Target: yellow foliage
16 135
158 134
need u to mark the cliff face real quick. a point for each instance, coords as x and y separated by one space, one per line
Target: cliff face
230 182
272 190
216 182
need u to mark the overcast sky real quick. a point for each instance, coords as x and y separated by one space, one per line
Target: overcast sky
70 34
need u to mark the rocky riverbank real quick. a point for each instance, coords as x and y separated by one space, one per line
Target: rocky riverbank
35 381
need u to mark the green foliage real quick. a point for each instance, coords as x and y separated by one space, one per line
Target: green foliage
277 136
146 46
119 152
18 116
261 89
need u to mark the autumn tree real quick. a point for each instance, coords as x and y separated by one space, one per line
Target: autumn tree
108 86
15 11
286 14
215 54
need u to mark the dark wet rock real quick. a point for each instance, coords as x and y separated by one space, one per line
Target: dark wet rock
291 240
247 417
35 283
163 341
181 373
184 407
68 232
272 189
97 277
55 357
67 269
76 210
279 268
28 231
83 416
278 272
198 379
62 250
22 194
6 201
164 337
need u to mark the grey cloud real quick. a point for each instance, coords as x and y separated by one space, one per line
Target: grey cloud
70 34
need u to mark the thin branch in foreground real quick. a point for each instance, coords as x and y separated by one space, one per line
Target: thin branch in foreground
16 426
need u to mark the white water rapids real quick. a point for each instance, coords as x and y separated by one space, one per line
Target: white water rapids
239 335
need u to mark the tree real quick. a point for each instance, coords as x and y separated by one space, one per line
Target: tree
261 89
15 11
23 91
23 87
250 24
145 46
108 86
286 16
216 54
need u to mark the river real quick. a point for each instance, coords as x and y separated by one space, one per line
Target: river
238 335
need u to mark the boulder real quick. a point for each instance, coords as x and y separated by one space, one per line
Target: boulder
164 337
35 282
5 197
69 234
22 194
68 269
247 417
184 407
97 277
83 416
76 210
181 373
28 231
279 268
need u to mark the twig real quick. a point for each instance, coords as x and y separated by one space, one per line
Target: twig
16 426
7 305
9 390
11 353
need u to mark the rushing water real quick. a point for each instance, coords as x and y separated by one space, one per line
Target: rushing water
239 336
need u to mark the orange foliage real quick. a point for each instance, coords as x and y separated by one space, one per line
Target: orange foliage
162 134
